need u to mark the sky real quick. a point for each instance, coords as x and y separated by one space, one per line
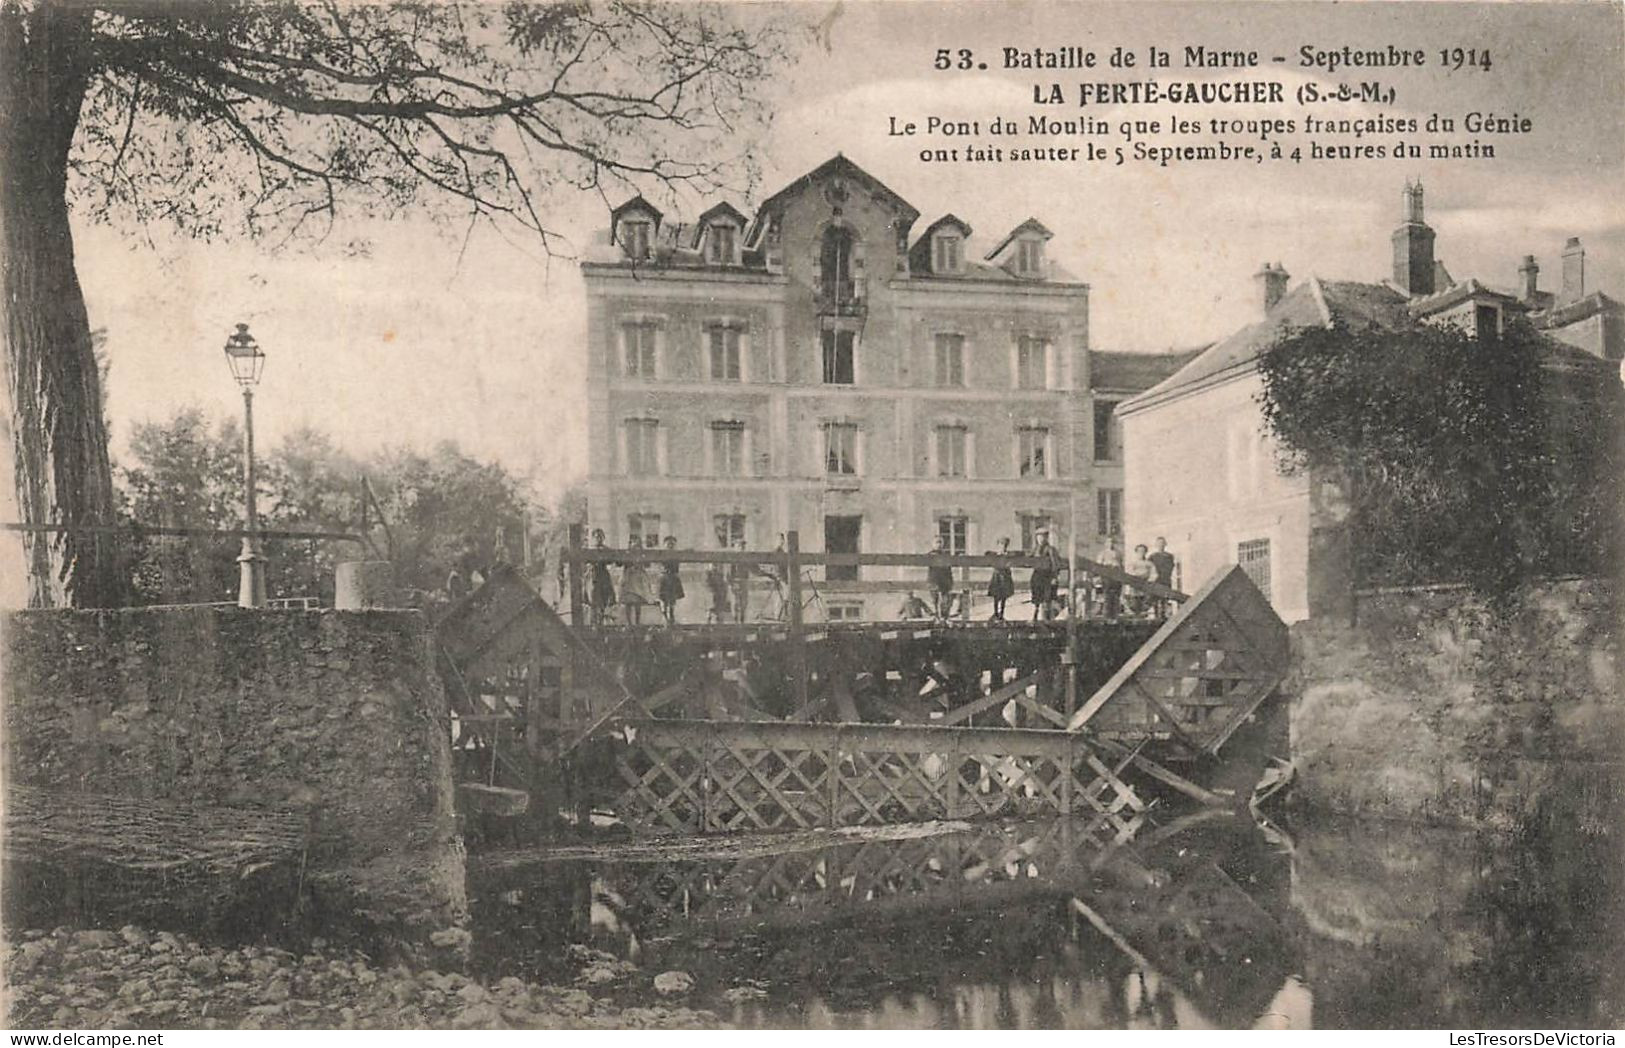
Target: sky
426 339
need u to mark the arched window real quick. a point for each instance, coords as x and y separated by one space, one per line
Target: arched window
835 265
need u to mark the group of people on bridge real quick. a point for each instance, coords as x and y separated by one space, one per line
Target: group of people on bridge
729 585
1104 598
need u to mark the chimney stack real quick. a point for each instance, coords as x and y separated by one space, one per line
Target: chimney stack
1574 272
1530 271
1274 280
1413 246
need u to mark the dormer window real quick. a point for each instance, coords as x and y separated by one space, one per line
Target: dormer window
1021 253
721 240
1030 257
719 235
1487 323
948 253
632 226
635 237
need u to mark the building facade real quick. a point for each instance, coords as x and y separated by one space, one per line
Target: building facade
1200 464
824 368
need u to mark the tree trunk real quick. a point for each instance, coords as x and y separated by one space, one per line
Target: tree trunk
57 433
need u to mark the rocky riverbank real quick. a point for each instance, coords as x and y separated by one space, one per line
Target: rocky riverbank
136 979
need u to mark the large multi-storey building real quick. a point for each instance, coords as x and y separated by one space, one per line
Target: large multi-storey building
822 368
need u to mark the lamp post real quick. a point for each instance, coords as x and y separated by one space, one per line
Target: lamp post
247 361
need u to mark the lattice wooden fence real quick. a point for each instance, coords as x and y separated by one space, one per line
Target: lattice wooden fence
878 876
1203 673
721 777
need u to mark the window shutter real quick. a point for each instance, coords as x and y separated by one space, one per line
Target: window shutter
818 268
857 269
661 466
620 446
744 353
970 453
660 351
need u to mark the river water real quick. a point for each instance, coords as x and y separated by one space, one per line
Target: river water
1196 922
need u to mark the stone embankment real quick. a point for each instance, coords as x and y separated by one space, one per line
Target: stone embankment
1435 708
136 979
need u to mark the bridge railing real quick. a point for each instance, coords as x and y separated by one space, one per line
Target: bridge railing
789 567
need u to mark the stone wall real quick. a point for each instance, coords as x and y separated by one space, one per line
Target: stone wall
336 716
1433 708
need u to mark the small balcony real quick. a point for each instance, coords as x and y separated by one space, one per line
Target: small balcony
841 298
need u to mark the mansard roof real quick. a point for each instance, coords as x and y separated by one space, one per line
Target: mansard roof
637 203
1032 225
722 210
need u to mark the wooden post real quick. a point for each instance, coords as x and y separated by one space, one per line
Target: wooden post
1067 763
535 752
708 784
835 780
798 635
577 614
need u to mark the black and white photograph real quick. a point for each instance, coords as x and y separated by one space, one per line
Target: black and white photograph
628 515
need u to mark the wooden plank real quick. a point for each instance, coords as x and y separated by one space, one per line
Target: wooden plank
1242 713
491 800
988 701
1173 724
1168 777
1055 717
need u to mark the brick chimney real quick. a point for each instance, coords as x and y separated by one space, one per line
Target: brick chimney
1273 280
1574 272
1413 246
1530 271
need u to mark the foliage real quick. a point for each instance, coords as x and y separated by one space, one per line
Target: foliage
1462 460
263 117
444 510
482 105
184 474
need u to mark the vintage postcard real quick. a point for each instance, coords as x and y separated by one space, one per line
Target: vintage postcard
637 515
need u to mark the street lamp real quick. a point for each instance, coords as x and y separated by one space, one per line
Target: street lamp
247 361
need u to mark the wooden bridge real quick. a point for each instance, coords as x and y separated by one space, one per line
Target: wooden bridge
787 725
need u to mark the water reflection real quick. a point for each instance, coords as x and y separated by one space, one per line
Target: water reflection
1200 922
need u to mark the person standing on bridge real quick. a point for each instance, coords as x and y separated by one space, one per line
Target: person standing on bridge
1163 561
739 582
671 584
1111 588
716 580
1142 568
941 578
1002 586
1044 577
634 585
600 590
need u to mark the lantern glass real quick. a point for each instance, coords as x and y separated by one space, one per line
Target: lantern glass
244 356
